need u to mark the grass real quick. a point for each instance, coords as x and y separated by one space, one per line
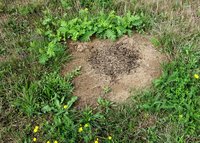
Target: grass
34 94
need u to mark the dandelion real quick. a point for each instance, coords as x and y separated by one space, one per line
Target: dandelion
80 129
196 76
96 141
86 125
109 137
55 141
34 139
65 106
36 129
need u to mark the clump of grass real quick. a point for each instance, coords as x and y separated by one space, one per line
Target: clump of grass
45 95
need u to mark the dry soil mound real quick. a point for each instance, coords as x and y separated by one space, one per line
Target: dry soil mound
129 63
114 60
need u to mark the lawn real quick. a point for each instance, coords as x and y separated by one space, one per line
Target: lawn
38 87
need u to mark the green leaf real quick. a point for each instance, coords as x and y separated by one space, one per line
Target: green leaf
46 109
65 4
57 103
46 21
120 30
155 42
43 59
110 34
50 52
86 36
51 49
72 101
136 21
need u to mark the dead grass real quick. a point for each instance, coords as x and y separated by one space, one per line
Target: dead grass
180 17
21 3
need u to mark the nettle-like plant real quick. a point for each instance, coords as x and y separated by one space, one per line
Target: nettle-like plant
83 27
106 26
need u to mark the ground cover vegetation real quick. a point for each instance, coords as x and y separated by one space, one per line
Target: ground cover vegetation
37 101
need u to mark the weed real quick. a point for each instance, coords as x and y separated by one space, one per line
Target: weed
83 28
106 89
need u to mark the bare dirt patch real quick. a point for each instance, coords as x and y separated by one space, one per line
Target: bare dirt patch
114 60
127 64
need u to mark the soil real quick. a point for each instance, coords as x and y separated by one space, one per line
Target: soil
126 65
114 60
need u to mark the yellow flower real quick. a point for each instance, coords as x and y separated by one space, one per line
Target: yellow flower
55 141
80 129
196 76
36 129
97 141
65 106
34 139
109 137
48 141
86 125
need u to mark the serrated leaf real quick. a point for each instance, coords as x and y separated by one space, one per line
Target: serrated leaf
120 30
110 34
136 20
43 59
50 52
86 36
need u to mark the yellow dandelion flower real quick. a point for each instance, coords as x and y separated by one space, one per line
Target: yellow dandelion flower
196 76
36 129
65 106
80 129
34 139
55 141
48 141
96 141
109 137
86 125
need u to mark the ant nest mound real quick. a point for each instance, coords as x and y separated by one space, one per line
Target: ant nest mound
128 64
115 60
